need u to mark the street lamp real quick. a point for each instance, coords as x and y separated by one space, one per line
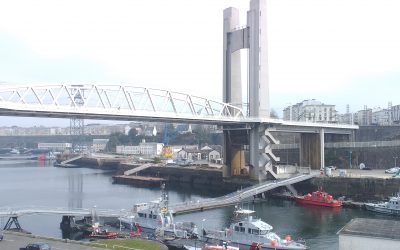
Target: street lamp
395 158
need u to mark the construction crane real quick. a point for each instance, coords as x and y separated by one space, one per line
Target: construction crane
167 150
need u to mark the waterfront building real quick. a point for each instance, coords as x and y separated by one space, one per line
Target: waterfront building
363 117
381 117
346 118
55 146
99 145
151 148
395 114
311 111
128 150
214 156
189 154
371 234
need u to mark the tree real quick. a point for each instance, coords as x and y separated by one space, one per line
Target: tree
116 139
273 114
133 136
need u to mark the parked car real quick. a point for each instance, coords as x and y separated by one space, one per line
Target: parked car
36 246
392 170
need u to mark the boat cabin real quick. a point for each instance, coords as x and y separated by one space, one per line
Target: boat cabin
394 203
252 226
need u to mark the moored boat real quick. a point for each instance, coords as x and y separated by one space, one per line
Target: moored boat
391 207
250 233
156 217
218 247
318 198
99 233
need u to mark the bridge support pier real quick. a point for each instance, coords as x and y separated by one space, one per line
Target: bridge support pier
234 155
261 156
10 222
312 151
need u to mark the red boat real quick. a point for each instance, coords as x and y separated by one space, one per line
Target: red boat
104 234
318 198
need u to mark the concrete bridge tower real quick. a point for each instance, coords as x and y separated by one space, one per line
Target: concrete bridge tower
254 38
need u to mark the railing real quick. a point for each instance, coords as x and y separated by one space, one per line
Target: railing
112 101
27 210
369 144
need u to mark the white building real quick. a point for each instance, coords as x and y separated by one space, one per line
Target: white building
363 117
346 118
56 146
396 114
189 154
310 111
151 148
128 150
371 234
214 156
381 117
99 145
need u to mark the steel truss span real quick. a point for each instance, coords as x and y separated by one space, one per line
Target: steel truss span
113 102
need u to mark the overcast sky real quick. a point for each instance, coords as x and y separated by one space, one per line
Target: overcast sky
336 51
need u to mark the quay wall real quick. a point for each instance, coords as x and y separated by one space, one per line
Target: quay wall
101 163
195 177
357 189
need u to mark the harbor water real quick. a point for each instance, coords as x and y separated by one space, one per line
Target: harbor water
38 184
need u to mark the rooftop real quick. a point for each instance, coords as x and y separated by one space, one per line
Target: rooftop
388 229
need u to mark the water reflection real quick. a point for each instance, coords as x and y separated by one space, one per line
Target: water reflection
75 188
26 184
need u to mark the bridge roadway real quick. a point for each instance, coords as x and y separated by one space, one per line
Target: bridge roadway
237 197
129 103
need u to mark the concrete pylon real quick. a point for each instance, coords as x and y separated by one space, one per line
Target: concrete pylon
232 86
253 37
258 59
258 81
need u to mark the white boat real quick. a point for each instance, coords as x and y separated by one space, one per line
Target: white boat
155 217
390 207
249 232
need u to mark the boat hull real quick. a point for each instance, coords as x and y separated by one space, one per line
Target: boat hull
243 246
300 200
382 210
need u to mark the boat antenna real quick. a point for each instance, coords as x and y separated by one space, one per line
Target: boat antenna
164 199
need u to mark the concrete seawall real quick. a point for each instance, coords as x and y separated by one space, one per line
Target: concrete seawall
196 177
358 189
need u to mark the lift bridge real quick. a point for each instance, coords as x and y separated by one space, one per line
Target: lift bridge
128 103
118 102
250 130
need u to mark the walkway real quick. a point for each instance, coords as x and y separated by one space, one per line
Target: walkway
238 196
16 212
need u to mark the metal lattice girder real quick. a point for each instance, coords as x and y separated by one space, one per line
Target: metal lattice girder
111 102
